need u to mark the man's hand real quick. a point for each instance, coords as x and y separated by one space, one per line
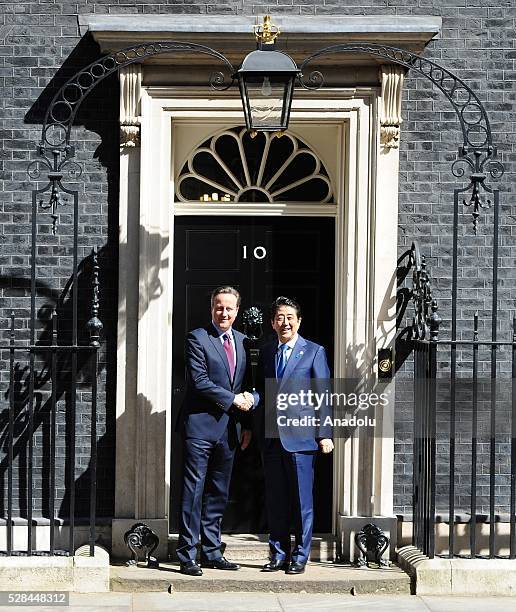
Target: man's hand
249 397
245 438
326 445
242 402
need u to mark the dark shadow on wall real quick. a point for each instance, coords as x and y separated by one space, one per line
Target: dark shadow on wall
98 113
91 113
85 52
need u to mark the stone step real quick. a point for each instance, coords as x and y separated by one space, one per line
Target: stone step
318 578
251 547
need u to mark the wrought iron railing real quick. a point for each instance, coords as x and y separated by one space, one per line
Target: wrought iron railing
464 446
43 380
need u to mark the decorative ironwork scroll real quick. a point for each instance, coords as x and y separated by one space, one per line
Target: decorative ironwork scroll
141 538
55 150
63 109
59 165
480 165
470 111
371 540
426 320
477 151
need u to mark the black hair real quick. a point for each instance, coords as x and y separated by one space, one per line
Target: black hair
284 301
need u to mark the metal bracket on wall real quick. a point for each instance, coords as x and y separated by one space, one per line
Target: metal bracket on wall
371 539
385 363
253 319
141 537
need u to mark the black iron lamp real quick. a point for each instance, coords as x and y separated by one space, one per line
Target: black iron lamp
266 80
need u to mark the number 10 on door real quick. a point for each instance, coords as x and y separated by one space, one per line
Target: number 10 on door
259 252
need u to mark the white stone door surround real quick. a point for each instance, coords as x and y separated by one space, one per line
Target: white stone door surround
365 306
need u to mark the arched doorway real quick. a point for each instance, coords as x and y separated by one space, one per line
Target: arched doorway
263 255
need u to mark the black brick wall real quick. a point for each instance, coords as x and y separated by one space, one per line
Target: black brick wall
40 45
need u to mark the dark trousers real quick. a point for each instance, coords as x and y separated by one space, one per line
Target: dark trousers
289 481
207 473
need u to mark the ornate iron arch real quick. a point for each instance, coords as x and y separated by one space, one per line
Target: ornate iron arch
477 152
55 151
65 104
470 111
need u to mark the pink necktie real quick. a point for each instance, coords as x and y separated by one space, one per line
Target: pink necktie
228 347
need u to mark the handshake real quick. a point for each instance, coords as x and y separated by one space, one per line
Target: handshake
243 401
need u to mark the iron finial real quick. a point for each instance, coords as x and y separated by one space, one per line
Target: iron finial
434 322
95 325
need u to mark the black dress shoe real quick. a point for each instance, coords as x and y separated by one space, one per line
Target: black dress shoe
190 568
220 563
275 565
295 568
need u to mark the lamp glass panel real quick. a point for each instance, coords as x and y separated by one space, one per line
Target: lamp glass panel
266 95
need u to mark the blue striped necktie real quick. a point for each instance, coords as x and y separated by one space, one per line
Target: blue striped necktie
282 361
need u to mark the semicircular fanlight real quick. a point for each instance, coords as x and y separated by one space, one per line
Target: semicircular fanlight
233 167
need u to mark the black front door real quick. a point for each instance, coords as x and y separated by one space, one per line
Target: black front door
263 258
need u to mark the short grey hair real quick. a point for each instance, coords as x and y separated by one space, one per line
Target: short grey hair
225 289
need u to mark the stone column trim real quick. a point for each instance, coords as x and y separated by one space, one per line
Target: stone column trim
130 94
391 78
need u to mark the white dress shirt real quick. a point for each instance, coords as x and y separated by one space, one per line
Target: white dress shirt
288 351
221 334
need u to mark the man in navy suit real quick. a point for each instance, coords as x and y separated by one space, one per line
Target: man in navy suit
212 412
289 453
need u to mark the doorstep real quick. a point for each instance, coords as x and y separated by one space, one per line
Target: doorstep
319 577
255 547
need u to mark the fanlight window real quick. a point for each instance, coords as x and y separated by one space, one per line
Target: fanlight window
234 167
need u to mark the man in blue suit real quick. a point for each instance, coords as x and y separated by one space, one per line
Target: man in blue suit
289 453
212 412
